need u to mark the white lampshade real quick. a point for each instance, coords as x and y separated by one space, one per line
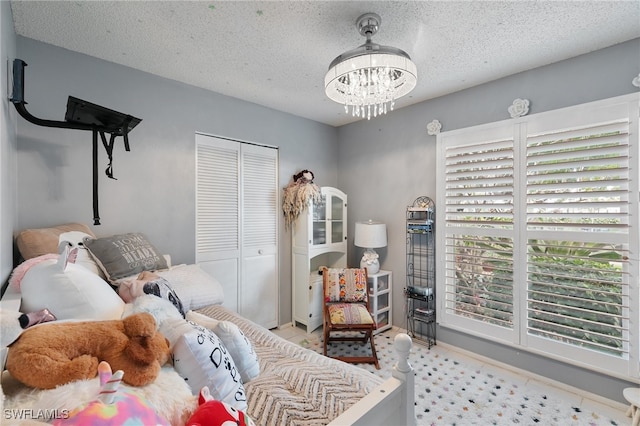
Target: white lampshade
371 234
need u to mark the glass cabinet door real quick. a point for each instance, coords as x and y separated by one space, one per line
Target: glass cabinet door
329 219
320 222
337 219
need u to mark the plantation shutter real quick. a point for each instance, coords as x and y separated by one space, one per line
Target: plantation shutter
479 227
541 235
578 213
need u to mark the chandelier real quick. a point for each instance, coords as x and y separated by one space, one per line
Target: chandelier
369 78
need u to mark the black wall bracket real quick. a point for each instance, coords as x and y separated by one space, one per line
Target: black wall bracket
81 115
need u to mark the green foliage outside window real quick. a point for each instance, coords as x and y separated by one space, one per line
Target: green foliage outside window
574 289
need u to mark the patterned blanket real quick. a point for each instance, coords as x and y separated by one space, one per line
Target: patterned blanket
296 386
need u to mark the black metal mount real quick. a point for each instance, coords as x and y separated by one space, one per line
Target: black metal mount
81 115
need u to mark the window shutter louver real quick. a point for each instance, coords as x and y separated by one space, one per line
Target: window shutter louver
217 199
260 199
479 184
579 178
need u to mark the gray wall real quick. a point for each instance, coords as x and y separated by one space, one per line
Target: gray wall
155 190
386 163
8 143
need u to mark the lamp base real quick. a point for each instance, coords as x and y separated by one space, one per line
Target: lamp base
370 262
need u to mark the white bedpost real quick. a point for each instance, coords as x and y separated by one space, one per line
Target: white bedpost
390 403
403 371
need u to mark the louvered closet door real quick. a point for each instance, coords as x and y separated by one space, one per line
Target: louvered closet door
258 294
217 218
236 224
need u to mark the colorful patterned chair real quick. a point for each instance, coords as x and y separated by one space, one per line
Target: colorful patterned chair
346 316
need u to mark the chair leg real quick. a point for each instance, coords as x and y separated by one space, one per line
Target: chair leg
325 331
373 350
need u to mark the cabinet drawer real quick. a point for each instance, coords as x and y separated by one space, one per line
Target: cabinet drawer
382 319
383 301
381 283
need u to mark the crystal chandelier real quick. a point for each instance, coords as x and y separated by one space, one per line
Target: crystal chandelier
369 78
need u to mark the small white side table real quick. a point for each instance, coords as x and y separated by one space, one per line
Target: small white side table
380 299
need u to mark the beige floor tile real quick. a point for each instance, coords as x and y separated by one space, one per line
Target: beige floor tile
287 331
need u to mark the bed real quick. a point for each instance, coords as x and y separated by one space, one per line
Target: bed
290 385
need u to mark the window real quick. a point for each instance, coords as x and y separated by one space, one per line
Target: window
539 233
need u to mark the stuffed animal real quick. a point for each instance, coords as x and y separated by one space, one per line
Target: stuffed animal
305 176
113 407
211 412
164 312
56 353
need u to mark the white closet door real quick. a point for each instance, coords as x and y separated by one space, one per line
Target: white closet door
259 194
237 224
217 219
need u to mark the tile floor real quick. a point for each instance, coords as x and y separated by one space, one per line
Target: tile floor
612 409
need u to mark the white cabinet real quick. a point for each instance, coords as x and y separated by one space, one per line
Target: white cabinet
319 238
380 299
237 224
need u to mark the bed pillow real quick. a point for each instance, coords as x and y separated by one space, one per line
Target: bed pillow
240 348
124 255
35 242
74 293
195 288
83 257
201 358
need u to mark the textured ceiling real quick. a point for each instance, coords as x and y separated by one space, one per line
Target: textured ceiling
277 53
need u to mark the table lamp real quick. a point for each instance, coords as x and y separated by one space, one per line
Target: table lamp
370 235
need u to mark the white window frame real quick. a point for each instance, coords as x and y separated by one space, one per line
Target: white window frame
517 336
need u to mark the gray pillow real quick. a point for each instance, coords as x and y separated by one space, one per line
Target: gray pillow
124 255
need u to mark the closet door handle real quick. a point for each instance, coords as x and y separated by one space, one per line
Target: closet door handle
260 251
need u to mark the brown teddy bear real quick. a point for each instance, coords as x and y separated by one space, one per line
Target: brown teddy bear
50 355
